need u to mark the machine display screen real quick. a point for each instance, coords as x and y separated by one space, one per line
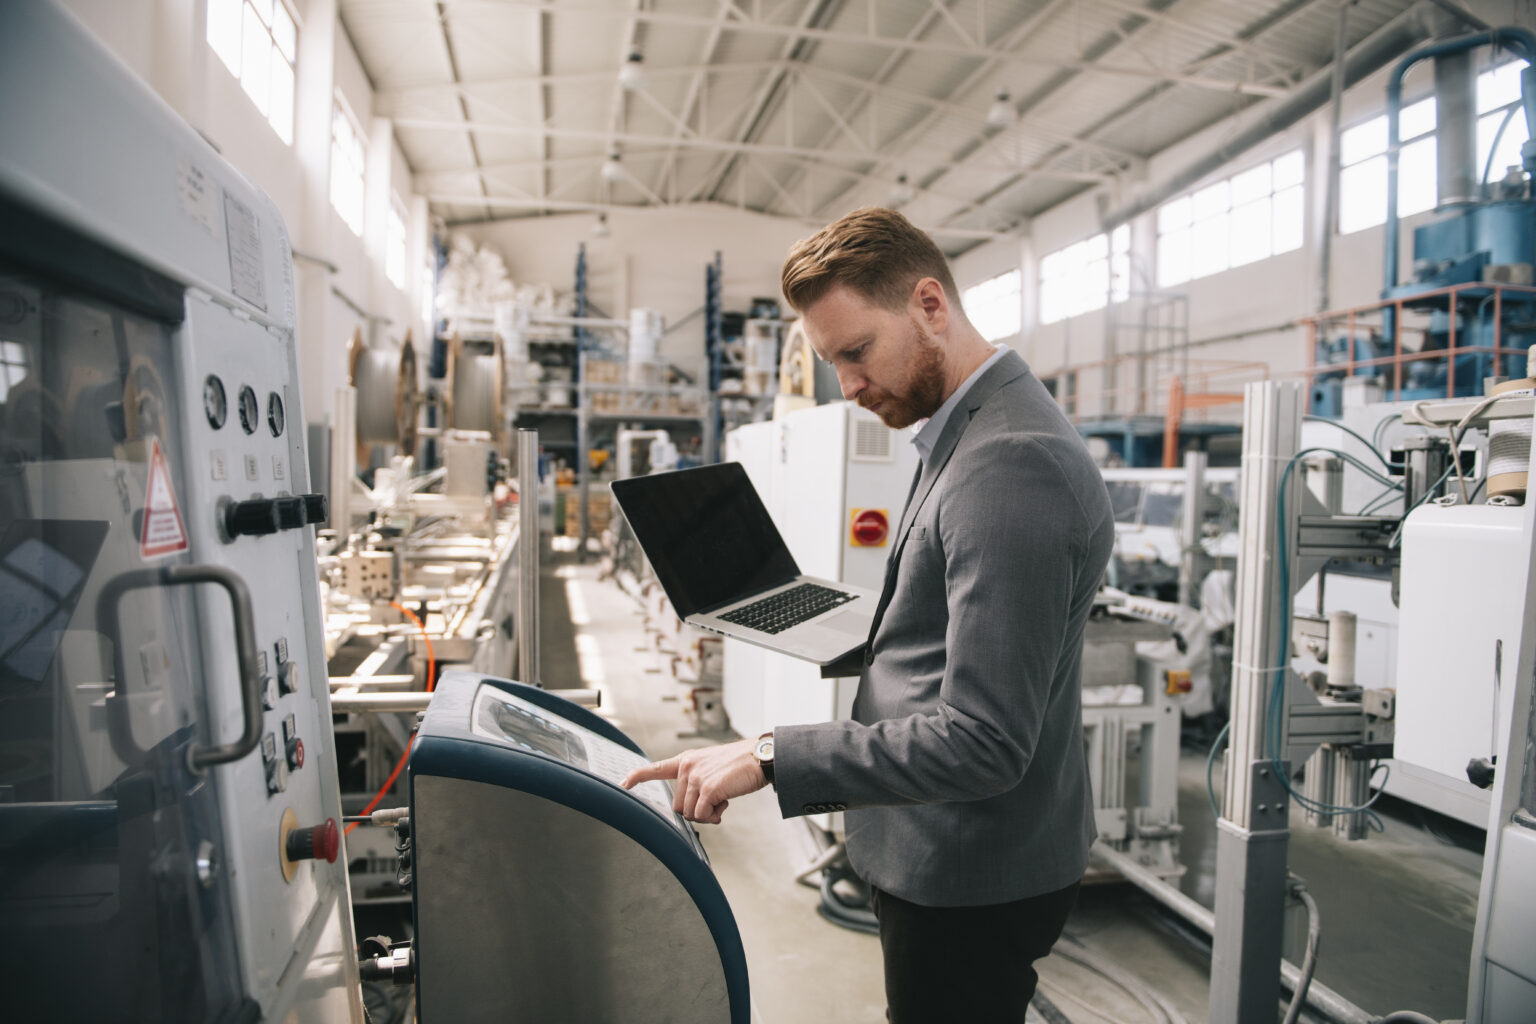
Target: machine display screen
499 716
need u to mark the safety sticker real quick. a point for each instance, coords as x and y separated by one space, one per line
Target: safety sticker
164 533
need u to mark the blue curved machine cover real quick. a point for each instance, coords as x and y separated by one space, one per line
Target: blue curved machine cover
545 892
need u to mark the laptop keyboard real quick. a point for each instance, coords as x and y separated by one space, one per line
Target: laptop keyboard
778 612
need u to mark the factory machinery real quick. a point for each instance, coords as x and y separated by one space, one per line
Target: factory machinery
1469 311
192 630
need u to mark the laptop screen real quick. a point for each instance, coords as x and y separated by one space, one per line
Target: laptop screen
707 534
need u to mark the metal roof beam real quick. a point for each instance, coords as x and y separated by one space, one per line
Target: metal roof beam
795 34
664 142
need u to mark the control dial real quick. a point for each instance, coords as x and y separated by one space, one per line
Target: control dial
215 402
250 412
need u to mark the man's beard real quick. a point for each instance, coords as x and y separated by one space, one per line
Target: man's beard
921 393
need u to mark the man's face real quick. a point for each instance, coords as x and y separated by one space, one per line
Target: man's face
886 361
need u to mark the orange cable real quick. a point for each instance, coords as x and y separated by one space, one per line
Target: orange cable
388 783
431 661
431 683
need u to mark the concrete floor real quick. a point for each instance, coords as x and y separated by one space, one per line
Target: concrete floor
1397 910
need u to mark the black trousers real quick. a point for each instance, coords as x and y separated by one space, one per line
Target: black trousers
971 964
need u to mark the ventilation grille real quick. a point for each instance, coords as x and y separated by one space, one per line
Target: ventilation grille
871 441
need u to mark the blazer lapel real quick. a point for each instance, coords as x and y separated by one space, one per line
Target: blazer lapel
1009 368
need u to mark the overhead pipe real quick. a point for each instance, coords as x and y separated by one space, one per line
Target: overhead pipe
1369 56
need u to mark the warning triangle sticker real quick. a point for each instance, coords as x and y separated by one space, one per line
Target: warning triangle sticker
163 532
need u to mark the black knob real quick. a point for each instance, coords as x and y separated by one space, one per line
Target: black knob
317 509
254 518
1480 772
290 513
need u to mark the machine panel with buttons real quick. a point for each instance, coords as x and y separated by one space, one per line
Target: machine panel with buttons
158 500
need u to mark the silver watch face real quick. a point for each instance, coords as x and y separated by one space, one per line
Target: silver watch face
764 749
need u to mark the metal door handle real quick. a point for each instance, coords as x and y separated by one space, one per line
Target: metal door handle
198 756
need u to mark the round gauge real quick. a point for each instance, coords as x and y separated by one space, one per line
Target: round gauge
275 414
250 412
215 402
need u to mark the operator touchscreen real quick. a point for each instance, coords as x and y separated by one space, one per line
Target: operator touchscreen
507 719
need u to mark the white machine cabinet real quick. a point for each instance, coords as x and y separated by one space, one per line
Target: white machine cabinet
1456 656
834 473
168 792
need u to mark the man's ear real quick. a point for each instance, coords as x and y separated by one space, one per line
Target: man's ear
930 304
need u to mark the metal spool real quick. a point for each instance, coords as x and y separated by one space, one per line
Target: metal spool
797 364
475 386
386 395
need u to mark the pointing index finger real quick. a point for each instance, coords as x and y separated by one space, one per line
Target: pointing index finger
659 770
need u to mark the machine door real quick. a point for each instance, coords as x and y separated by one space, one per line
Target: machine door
110 877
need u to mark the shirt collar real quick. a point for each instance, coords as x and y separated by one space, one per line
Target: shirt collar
925 434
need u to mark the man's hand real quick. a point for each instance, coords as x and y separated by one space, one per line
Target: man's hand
707 778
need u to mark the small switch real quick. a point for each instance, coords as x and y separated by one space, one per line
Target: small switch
288 677
269 692
318 842
295 754
277 771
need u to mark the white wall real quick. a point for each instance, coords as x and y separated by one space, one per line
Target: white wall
341 280
653 259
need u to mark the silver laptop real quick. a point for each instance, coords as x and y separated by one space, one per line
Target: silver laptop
726 569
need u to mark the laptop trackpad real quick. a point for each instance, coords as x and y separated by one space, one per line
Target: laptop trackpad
852 623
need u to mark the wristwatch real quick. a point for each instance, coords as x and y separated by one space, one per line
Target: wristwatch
763 751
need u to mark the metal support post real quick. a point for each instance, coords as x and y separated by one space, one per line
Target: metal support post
1317 786
343 459
528 557
1194 518
1252 835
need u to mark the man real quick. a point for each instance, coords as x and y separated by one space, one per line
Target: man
962 773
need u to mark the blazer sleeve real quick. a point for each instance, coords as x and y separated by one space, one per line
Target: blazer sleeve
1013 537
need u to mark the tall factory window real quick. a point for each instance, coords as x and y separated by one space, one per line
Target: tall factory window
258 40
1242 219
993 306
348 164
1498 96
1363 168
394 250
1082 277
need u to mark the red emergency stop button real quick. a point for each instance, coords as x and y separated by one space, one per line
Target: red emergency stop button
319 842
870 528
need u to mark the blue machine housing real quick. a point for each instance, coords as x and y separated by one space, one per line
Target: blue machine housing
572 804
1465 247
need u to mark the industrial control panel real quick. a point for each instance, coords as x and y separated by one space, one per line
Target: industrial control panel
168 796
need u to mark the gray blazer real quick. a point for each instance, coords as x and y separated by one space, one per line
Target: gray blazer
962 772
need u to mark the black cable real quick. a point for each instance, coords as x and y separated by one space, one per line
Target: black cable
1047 1009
